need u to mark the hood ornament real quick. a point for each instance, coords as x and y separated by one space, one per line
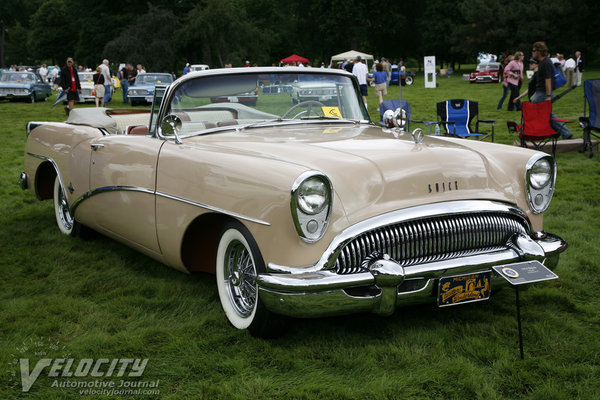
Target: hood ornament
418 135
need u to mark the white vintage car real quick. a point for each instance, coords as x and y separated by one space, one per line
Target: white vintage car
303 210
86 79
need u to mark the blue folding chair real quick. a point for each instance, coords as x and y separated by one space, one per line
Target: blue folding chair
590 123
394 104
456 117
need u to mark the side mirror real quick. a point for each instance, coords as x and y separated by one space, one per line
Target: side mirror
171 125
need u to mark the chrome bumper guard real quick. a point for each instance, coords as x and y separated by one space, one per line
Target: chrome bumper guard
388 285
23 181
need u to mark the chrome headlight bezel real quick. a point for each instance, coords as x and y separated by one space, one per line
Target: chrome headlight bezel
540 179
311 224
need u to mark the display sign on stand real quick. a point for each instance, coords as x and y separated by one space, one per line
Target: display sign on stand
429 63
520 274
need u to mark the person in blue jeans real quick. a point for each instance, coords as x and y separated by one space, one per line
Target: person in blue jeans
543 89
124 83
505 88
107 80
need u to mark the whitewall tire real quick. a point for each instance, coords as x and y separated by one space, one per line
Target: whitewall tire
238 263
66 223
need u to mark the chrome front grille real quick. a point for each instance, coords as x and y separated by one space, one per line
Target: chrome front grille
432 239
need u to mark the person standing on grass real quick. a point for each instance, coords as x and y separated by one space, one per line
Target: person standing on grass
69 82
580 67
514 74
505 89
107 80
98 79
380 79
362 74
569 69
544 85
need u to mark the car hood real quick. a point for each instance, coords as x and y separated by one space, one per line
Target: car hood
374 170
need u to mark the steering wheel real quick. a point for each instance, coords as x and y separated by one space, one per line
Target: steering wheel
307 103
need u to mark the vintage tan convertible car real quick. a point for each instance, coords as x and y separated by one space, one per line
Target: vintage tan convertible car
304 209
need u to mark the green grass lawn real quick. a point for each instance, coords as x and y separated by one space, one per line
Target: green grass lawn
62 297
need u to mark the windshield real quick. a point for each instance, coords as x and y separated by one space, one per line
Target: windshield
488 67
153 79
212 101
17 77
86 76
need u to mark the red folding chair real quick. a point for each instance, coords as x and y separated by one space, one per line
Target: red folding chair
535 125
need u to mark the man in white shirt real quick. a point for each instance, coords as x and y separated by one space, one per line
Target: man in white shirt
362 74
43 71
569 71
107 80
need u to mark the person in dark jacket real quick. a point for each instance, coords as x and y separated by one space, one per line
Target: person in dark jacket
69 81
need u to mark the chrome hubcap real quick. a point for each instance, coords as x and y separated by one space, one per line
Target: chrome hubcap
240 278
65 213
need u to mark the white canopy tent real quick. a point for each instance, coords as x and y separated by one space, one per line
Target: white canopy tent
351 55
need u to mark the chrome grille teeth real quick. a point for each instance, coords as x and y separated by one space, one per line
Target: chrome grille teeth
432 239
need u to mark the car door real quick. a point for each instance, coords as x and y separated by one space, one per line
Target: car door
122 188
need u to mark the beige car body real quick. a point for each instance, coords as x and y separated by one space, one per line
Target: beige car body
169 200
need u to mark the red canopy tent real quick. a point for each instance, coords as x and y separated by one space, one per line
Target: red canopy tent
294 58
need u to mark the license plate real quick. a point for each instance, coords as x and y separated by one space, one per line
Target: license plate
461 289
149 99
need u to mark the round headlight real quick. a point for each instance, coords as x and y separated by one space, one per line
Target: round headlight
313 196
540 174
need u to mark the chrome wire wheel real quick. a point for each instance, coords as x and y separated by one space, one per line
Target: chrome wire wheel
64 220
239 261
236 278
240 279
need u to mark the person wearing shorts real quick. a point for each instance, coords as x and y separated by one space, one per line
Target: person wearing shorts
69 82
99 87
362 74
380 78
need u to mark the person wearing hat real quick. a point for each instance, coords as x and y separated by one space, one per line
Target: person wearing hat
186 69
362 75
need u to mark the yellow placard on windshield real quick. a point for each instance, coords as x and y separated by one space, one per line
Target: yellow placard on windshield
331 112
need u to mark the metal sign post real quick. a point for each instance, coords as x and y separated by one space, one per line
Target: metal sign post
520 274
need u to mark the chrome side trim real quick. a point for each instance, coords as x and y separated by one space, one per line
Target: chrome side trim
105 189
217 209
51 161
330 255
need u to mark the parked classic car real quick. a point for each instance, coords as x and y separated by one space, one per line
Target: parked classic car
486 72
143 89
303 210
86 79
312 87
198 67
23 85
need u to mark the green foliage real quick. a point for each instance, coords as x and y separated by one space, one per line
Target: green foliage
162 34
145 37
100 299
52 31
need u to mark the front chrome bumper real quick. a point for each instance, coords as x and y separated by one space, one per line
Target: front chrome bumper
388 285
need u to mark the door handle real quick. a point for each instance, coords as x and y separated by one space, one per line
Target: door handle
96 146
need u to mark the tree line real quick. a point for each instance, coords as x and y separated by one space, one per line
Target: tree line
163 35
